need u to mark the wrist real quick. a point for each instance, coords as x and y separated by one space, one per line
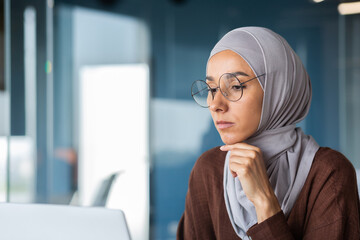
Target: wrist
266 208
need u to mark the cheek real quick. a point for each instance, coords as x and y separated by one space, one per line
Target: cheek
249 108
248 115
256 110
256 113
258 106
254 103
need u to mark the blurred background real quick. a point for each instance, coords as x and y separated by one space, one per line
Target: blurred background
95 103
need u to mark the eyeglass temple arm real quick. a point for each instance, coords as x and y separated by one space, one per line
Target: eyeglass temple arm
252 79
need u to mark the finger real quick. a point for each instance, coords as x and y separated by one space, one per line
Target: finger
243 161
235 163
239 169
244 153
241 145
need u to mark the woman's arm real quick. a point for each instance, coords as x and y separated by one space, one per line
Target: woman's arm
332 213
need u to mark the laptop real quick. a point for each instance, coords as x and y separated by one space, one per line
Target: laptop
61 222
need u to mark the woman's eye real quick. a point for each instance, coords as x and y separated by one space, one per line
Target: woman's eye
237 87
213 90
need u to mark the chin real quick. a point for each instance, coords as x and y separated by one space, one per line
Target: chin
229 139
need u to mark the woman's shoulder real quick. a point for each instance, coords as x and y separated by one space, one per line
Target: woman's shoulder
328 159
333 167
210 162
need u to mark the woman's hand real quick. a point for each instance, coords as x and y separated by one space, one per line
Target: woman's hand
246 163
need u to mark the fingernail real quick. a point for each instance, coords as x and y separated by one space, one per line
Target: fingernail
222 147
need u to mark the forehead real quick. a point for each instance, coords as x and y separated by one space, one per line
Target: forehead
227 61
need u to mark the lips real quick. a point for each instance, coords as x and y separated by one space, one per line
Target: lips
224 124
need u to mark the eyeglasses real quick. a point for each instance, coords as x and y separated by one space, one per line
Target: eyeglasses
230 87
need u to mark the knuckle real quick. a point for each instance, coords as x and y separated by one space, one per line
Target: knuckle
247 162
233 166
234 152
250 163
245 171
253 154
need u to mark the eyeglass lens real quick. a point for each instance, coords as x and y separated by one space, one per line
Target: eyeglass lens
204 93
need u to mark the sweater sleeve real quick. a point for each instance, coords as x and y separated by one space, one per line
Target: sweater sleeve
332 209
274 227
195 222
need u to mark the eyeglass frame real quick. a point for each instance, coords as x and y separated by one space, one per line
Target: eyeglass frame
218 87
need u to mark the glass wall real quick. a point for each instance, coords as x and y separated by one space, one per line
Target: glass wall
100 98
21 61
4 100
349 75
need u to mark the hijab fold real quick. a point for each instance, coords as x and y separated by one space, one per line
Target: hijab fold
287 151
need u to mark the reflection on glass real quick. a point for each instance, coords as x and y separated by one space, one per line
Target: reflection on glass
4 113
30 70
349 87
22 148
22 169
3 174
114 139
2 46
4 108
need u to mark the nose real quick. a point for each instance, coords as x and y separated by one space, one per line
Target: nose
219 103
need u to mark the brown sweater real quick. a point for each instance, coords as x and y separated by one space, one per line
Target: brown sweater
327 206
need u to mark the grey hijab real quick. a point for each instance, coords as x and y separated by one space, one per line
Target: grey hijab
288 153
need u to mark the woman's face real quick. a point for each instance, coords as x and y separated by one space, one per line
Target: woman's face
235 121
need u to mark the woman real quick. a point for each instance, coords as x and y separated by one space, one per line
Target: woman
269 180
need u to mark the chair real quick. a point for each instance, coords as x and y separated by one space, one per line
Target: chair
104 190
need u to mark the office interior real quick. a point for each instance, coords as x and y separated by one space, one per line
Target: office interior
95 101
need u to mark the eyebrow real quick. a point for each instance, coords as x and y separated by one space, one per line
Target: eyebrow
234 73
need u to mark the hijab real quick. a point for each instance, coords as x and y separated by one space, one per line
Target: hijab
287 152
